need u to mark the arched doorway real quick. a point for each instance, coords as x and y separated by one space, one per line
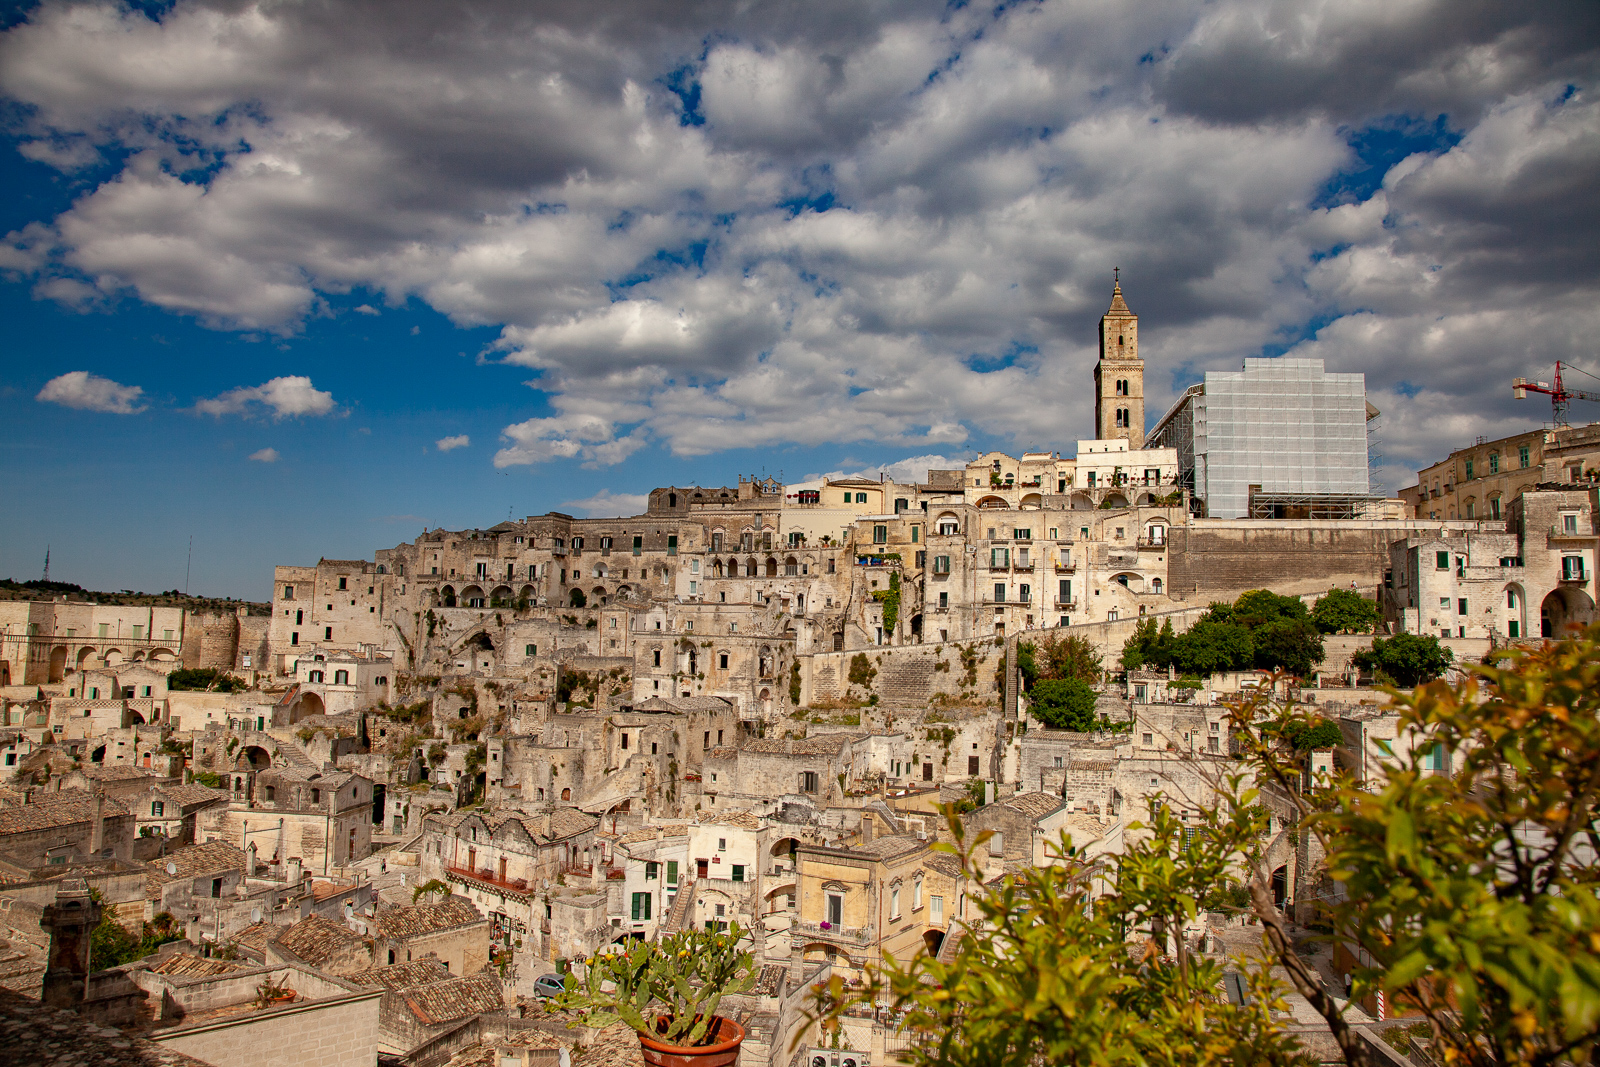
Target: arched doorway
1562 610
308 705
254 758
1116 500
58 663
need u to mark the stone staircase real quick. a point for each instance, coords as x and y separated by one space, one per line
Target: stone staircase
677 917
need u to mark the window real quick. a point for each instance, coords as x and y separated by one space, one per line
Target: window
1569 525
1024 592
973 766
999 592
941 564
288 592
531 650
657 657
706 741
272 793
156 809
1461 606
672 872
880 535
641 906
650 870
1441 561
672 544
1149 739
624 740
722 661
738 872
936 908
894 903
1469 470
1022 535
835 910
999 557
1122 387
1494 507
341 677
638 545
916 535
861 498
901 504
294 638
944 601
997 844
1122 418
1494 463
808 781
916 894
1572 568
104 630
316 796
327 633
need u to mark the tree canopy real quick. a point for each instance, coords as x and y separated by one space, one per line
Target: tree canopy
1344 611
1405 659
1064 703
204 678
1261 629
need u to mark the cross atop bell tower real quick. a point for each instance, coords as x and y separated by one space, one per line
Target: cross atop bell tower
1119 375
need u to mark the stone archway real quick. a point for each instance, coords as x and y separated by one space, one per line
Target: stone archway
1516 611
58 663
1562 610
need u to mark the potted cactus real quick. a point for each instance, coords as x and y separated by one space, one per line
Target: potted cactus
668 991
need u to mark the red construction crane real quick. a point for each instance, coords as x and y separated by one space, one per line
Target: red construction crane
1560 396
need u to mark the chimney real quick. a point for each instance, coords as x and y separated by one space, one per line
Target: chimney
866 828
988 792
296 871
97 835
71 920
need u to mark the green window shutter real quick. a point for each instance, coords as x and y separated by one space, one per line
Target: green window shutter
638 904
1441 560
672 872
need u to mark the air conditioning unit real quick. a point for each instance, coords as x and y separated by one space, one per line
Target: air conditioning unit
833 1057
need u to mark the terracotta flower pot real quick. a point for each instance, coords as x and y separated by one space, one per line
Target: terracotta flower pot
724 1036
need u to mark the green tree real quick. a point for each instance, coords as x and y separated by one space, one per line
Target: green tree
1054 978
1472 896
1344 611
1211 646
1261 606
1287 644
201 679
1405 659
1064 703
1137 649
1068 656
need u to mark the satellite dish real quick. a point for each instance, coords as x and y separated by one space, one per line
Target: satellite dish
172 868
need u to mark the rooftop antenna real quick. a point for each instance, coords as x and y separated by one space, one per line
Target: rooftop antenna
187 564
46 563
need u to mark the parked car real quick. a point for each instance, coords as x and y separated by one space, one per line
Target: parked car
548 985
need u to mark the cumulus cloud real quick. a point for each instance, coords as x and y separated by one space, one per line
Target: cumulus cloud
730 226
287 397
90 392
910 469
607 505
265 455
447 444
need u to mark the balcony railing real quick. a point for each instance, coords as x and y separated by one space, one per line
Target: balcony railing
1024 565
1152 542
1066 605
1557 533
829 932
489 877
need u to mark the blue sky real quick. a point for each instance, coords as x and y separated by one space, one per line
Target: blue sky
613 247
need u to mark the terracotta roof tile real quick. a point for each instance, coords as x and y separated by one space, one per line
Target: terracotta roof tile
33 1033
414 920
455 998
46 812
316 938
402 975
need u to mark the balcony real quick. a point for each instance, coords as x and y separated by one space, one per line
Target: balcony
828 932
1558 533
1024 565
487 879
1066 605
1066 567
1152 542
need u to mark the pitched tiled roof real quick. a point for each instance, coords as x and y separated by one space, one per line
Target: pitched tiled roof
33 1033
316 938
944 863
770 981
739 819
254 937
402 975
820 745
179 965
885 847
47 811
413 920
188 795
455 998
198 859
118 772
1034 805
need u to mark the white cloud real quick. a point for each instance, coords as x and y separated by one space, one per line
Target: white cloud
606 505
265 455
90 392
910 469
883 227
366 309
288 396
446 444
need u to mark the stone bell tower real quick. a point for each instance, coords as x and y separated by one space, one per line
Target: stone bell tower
1119 376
